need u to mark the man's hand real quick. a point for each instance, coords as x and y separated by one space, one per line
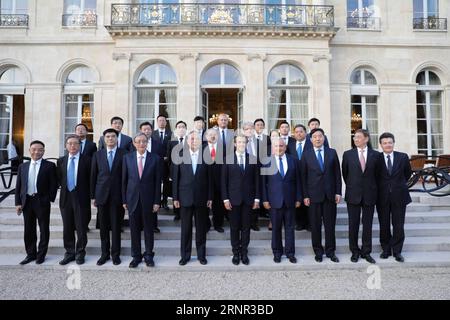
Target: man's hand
125 206
298 204
337 198
227 205
209 204
176 204
94 203
255 205
19 210
266 205
307 202
155 207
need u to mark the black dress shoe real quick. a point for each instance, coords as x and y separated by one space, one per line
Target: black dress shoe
67 260
116 261
334 258
245 260
235 259
183 262
255 228
156 230
27 260
277 259
368 258
80 260
292 259
299 228
134 263
385 255
399 258
102 260
219 229
355 257
40 260
203 261
176 218
149 262
318 258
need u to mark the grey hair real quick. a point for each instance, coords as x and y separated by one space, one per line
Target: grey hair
139 134
73 136
248 124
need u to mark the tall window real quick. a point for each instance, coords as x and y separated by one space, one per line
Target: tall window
430 139
80 13
426 8
13 6
364 110
156 94
360 8
288 96
79 101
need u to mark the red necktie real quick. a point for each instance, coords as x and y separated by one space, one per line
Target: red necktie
213 153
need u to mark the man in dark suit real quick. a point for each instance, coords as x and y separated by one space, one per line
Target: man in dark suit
123 141
322 189
240 194
192 193
314 123
155 147
295 148
281 194
73 172
106 195
199 128
359 166
87 147
285 133
163 134
393 196
36 187
141 196
176 145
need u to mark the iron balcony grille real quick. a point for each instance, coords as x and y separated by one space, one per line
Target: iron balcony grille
369 23
13 20
79 20
430 23
136 15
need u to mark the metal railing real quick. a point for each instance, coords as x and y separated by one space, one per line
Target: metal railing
222 14
79 20
369 23
430 23
13 20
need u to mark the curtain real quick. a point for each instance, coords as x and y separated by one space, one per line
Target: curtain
274 106
299 105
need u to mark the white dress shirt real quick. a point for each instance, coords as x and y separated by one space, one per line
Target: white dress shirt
194 158
285 163
149 145
119 138
33 188
113 152
322 153
77 158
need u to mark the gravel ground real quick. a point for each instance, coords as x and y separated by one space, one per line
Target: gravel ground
396 283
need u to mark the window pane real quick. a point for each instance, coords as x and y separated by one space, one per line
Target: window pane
232 75
71 110
277 75
296 76
212 75
6 7
436 112
371 99
433 8
148 76
4 141
369 78
80 75
421 96
434 79
371 111
372 126
421 78
437 141
421 112
356 77
418 8
421 126
166 75
69 125
352 8
422 141
12 75
145 111
145 95
90 6
436 126
356 99
5 112
436 97
72 6
21 6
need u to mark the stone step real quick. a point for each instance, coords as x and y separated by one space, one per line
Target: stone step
173 233
223 263
9 217
223 247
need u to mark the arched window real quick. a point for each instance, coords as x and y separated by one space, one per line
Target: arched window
78 101
430 139
12 76
288 96
364 109
156 94
221 74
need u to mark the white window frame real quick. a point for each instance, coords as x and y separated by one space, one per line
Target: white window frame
14 9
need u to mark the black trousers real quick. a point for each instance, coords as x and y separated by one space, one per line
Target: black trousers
74 220
88 217
166 184
278 217
325 211
218 209
35 211
395 211
109 218
354 218
240 228
200 215
139 218
302 218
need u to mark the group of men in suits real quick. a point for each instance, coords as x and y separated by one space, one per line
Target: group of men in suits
297 180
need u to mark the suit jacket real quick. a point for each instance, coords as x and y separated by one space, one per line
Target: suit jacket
318 185
190 189
229 136
105 183
46 183
216 166
126 143
292 147
172 144
241 187
158 148
360 186
89 149
267 143
394 186
82 183
277 190
167 138
146 189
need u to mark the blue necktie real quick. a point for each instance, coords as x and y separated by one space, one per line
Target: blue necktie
299 151
320 159
161 137
224 143
281 167
110 160
241 164
194 163
71 175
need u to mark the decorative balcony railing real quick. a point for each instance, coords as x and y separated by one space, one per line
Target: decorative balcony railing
79 20
136 15
430 23
13 20
369 23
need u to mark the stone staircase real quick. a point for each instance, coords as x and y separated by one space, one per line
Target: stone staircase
427 242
